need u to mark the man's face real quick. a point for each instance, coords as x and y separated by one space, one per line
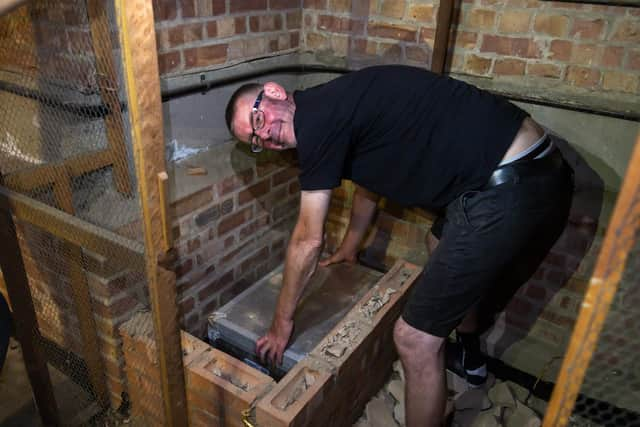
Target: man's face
271 124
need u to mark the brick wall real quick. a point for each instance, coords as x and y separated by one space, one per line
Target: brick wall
577 46
200 34
115 296
231 233
53 41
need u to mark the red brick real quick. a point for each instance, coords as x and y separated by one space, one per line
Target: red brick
164 10
253 192
183 268
294 20
512 46
587 29
340 25
552 25
511 67
184 34
427 35
475 64
223 386
284 176
612 57
240 25
115 308
583 77
306 407
392 8
205 55
480 19
234 182
185 306
544 70
391 31
193 245
247 5
212 29
620 82
557 319
422 13
515 21
188 8
633 62
627 30
251 229
560 50
169 62
254 260
215 286
284 4
294 187
585 54
314 4
235 220
192 202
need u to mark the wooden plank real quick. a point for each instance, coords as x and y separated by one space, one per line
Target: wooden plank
138 41
29 179
618 241
123 252
441 41
25 318
107 81
82 301
163 188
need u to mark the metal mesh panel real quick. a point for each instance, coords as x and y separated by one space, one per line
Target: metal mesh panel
610 393
64 144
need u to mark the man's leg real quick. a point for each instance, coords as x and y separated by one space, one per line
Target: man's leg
422 357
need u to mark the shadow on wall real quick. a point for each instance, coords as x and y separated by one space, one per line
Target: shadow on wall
523 305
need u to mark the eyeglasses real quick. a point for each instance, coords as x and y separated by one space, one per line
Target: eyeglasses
257 123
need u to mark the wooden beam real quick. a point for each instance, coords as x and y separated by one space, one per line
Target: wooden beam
163 189
107 81
123 252
30 179
138 41
24 314
618 241
441 41
82 300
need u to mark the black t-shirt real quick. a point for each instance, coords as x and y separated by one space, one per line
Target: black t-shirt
405 133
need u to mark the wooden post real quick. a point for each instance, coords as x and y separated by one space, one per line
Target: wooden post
163 189
441 42
618 241
82 300
138 41
107 82
24 314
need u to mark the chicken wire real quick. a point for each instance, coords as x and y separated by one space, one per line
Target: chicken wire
610 393
65 143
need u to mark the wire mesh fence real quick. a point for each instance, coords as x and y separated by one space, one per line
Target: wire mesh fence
66 155
610 393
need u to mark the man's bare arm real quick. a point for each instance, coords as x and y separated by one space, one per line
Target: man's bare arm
300 263
362 211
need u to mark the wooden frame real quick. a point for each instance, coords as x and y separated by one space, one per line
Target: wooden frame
137 34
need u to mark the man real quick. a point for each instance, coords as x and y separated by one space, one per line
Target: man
421 140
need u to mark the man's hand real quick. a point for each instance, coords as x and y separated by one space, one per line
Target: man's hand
338 257
273 344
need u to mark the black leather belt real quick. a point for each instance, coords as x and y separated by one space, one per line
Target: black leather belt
527 166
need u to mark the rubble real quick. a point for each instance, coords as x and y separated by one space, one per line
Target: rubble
497 404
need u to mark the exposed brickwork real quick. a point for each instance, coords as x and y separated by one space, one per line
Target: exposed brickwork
527 38
228 235
197 35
